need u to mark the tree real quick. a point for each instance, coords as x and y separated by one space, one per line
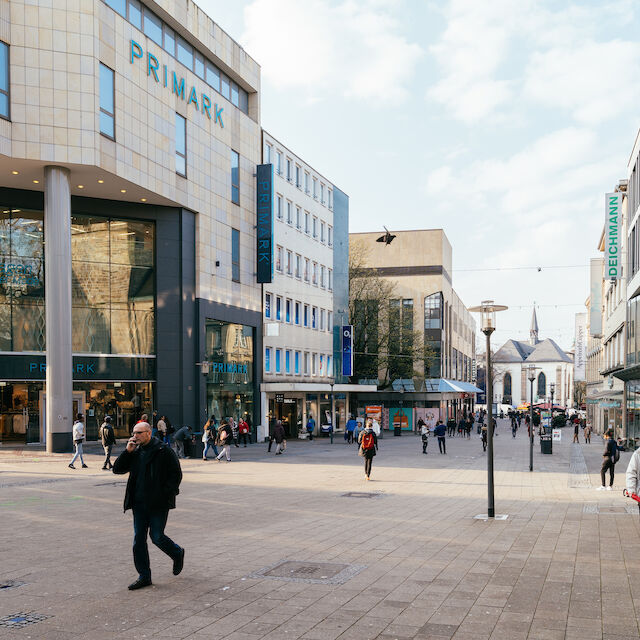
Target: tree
386 346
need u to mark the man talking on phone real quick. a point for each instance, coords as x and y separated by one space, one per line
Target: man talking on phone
154 481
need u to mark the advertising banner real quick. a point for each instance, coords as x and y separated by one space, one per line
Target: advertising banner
430 415
347 350
580 358
612 229
264 227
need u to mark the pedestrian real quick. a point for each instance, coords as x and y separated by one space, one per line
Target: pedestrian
375 427
78 439
209 434
243 430
587 434
224 440
181 436
108 438
440 431
152 487
155 418
633 474
350 428
495 426
419 424
467 425
424 435
368 446
161 428
576 431
272 426
234 431
278 436
483 435
514 427
311 426
610 456
461 427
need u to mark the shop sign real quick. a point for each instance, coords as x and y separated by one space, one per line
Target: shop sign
613 213
264 227
557 435
200 101
20 275
347 350
279 398
227 367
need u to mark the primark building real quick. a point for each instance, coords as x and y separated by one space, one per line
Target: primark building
129 140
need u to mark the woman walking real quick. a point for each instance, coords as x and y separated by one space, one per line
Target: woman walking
223 440
209 437
78 439
610 456
368 442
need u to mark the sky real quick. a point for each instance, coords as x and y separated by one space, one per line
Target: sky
502 122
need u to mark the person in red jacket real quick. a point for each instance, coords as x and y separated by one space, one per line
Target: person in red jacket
243 429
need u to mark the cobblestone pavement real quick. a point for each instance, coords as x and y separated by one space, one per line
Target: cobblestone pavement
408 561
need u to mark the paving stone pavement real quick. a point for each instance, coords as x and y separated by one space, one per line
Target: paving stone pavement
565 564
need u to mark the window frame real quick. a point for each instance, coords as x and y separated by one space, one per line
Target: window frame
101 109
235 188
235 248
178 153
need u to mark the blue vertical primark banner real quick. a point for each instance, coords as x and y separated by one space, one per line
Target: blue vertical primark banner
347 350
264 228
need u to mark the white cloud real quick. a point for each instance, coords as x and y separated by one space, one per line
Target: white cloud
353 49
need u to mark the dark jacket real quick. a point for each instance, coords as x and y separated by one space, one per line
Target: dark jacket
440 430
162 476
610 448
278 433
184 433
107 435
368 453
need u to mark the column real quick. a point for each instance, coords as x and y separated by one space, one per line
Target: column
57 255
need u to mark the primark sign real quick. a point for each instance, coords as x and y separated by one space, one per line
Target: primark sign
612 228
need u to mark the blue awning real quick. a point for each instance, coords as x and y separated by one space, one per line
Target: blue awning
456 386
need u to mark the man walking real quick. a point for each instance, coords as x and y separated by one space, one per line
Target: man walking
587 434
78 439
576 431
350 427
181 436
610 456
108 440
441 431
278 436
152 487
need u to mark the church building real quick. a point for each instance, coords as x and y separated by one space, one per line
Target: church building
553 366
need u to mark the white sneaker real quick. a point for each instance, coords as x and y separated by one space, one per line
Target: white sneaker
609 488
600 488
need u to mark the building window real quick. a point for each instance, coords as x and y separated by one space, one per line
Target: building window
306 222
323 315
314 274
107 98
296 362
315 227
314 364
297 313
330 236
267 153
267 305
322 226
287 361
323 271
279 163
329 370
289 214
181 145
329 320
330 192
306 315
278 308
542 385
279 207
298 180
306 269
235 255
432 311
267 359
306 182
506 387
235 177
321 370
314 317
315 189
288 169
289 263
278 359
287 311
279 259
306 363
298 218
298 265
321 193
330 280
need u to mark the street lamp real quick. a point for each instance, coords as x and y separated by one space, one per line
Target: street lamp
532 376
487 311
552 389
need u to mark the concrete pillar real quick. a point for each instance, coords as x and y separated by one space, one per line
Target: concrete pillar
57 252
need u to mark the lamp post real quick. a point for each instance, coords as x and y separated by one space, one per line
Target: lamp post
333 412
487 310
552 389
532 376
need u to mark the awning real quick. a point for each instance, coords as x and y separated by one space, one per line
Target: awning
456 386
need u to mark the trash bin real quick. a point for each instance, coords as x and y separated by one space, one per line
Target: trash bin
546 443
397 431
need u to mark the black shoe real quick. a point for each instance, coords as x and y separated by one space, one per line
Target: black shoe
71 466
84 466
105 468
140 583
178 563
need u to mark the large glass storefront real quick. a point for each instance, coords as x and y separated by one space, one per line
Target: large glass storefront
113 321
229 349
633 411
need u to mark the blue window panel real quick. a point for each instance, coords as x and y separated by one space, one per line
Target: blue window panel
296 361
278 360
278 308
287 361
267 306
267 359
118 5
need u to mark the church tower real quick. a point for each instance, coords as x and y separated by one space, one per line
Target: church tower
533 332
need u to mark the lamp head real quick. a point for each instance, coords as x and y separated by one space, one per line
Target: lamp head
487 310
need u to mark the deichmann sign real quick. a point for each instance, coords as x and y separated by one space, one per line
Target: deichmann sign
613 213
201 101
264 230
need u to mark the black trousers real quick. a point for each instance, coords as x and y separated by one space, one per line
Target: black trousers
368 461
607 463
244 437
424 446
442 444
153 524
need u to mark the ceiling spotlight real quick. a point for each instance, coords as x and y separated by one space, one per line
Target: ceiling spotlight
36 182
123 191
143 199
15 173
100 181
80 186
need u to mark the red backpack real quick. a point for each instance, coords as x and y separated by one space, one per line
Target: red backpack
367 441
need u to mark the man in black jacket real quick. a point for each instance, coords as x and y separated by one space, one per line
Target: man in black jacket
154 481
108 440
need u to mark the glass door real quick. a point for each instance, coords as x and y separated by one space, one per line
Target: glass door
78 399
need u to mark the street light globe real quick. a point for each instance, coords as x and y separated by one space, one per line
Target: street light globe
487 310
531 372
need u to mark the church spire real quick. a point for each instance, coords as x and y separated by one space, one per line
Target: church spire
533 332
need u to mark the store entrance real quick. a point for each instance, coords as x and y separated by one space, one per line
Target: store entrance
289 413
78 399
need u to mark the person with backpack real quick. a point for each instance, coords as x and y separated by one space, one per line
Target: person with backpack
108 438
610 456
368 442
209 434
78 439
224 440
